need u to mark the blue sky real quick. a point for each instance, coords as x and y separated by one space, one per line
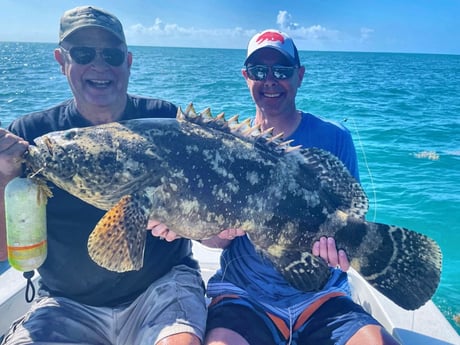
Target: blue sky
421 26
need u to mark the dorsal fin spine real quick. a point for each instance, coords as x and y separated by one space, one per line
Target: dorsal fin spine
242 129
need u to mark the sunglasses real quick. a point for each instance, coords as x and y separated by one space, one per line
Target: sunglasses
260 72
84 55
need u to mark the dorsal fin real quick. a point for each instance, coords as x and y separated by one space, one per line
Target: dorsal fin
244 129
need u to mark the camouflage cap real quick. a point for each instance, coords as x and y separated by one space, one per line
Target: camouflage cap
89 16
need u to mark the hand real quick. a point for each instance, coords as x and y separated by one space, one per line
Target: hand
160 230
327 249
223 239
230 234
12 149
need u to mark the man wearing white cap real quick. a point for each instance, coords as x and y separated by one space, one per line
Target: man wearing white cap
80 302
251 302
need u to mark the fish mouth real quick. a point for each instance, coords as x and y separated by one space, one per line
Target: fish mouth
34 161
49 159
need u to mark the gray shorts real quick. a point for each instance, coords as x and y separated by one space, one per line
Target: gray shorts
173 304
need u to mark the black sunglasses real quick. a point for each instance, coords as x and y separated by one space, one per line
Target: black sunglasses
260 72
84 55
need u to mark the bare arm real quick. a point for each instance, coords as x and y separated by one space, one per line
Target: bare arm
324 248
221 240
12 149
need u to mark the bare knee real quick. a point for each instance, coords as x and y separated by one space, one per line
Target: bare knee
180 338
224 336
372 334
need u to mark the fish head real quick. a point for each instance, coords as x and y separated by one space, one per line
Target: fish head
102 164
49 158
86 162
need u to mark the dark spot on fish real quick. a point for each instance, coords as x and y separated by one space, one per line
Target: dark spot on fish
70 134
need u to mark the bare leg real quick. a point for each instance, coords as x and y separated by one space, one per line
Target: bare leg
372 334
224 336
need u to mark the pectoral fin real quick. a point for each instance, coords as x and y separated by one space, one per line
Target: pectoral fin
117 242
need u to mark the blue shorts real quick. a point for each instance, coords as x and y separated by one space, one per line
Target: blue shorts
173 304
334 323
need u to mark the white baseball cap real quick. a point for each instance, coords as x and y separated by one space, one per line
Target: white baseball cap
274 39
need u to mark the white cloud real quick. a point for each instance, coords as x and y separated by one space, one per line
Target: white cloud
285 22
311 33
166 34
366 33
313 37
319 37
159 29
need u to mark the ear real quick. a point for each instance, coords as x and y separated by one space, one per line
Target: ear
301 73
59 57
130 59
244 73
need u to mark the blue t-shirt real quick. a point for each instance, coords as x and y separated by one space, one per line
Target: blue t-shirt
314 131
245 273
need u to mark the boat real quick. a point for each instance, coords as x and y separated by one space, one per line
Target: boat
424 326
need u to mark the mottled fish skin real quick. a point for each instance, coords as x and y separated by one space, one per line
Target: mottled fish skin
202 174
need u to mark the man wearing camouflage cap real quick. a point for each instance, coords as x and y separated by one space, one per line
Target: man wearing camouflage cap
80 302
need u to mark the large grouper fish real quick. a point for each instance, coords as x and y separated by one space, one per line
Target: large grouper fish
201 174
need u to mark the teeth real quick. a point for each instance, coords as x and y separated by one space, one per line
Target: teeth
272 95
99 83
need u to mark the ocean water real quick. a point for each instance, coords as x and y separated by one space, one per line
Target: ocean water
402 109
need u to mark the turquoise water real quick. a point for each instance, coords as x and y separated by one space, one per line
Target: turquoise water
403 111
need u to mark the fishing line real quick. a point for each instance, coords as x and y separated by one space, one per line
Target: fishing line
361 146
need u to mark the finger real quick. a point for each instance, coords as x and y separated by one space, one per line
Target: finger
239 232
160 230
226 235
152 223
235 232
332 255
11 155
315 249
323 249
171 236
12 144
230 234
343 260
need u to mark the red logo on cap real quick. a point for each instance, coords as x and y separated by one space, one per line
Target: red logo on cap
270 36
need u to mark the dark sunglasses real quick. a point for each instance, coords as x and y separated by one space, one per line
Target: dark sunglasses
260 72
84 55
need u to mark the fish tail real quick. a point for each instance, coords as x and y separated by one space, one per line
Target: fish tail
400 263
